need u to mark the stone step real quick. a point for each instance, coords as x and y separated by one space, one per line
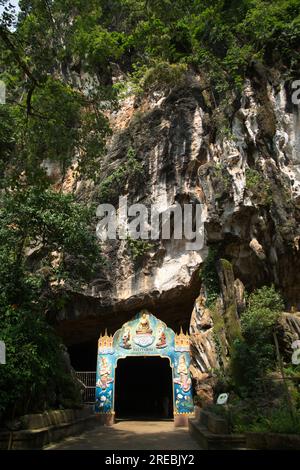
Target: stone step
212 441
37 438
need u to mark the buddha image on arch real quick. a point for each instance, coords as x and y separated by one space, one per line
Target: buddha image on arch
144 336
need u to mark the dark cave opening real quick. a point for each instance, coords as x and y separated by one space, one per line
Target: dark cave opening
144 388
83 356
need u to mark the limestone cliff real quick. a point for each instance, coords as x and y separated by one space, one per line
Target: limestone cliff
242 164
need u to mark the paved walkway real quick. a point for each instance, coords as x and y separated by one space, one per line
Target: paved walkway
131 435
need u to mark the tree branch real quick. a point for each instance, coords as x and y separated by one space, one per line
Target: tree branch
6 39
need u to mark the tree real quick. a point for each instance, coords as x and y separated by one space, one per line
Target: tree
47 242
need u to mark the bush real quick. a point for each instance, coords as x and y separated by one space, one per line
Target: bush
254 353
34 377
138 247
279 421
266 297
164 76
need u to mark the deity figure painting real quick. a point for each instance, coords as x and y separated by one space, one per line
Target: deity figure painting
104 374
125 340
182 370
162 339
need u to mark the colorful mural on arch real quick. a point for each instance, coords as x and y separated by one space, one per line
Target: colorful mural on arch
144 335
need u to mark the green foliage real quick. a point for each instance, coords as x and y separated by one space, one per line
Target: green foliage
292 370
98 45
253 179
34 377
52 130
50 118
45 244
279 421
222 181
256 349
221 39
49 223
163 76
259 186
209 276
256 415
138 247
53 120
157 75
265 297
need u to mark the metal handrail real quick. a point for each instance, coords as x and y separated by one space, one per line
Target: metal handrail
87 380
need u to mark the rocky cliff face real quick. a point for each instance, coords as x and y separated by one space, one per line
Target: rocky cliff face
245 170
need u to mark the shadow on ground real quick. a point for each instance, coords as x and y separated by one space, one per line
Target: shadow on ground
131 435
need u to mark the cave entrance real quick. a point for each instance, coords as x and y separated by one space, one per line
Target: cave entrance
140 369
143 388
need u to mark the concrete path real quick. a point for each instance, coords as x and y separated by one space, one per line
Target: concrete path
131 435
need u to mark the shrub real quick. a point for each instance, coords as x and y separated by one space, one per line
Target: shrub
254 354
266 297
34 377
162 76
138 247
279 421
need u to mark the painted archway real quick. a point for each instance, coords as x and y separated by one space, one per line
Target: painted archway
144 335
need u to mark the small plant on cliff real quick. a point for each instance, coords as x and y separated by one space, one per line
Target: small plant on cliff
209 276
223 181
259 186
138 248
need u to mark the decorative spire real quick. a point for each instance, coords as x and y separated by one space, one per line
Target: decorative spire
105 341
182 340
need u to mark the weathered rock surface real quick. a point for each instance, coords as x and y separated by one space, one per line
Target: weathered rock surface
288 332
213 330
248 179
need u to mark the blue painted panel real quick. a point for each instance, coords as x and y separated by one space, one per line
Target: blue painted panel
144 335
